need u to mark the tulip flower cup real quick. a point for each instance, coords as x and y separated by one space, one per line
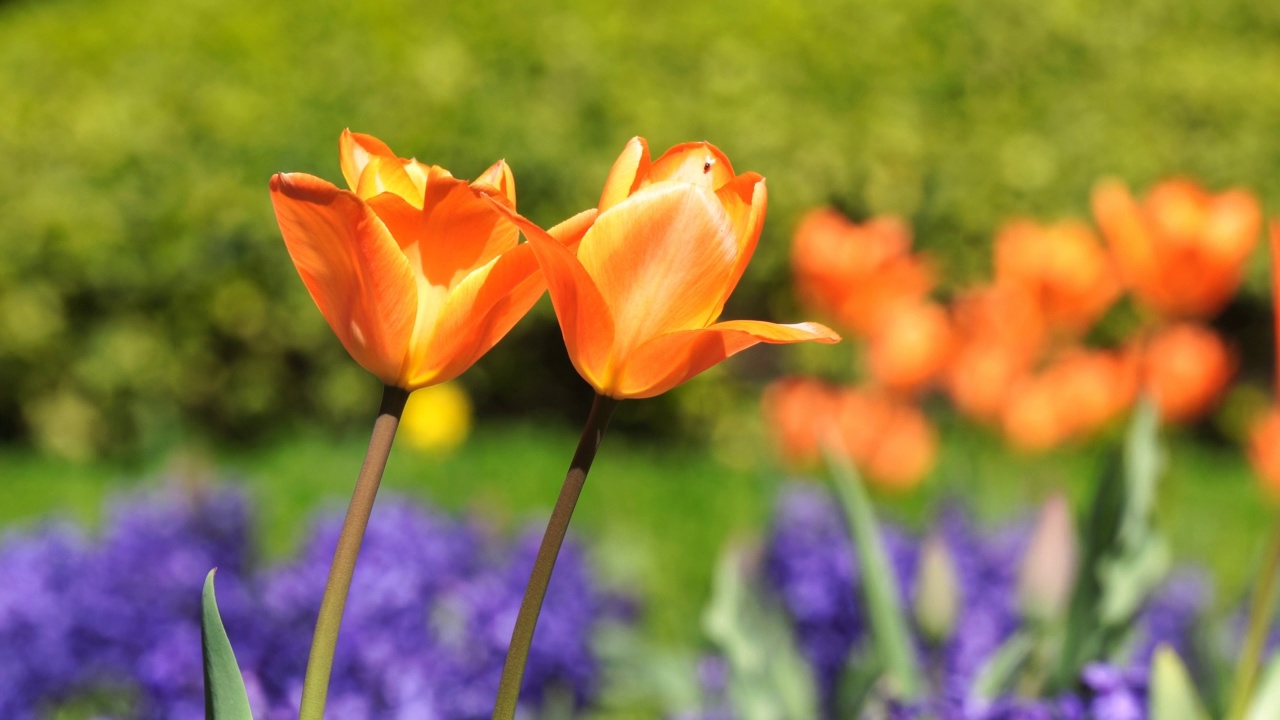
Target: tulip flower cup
638 296
419 274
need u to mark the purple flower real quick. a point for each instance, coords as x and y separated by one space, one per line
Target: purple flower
813 567
425 632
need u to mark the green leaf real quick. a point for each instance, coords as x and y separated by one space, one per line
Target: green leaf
769 680
998 672
1124 557
1173 694
1266 701
885 609
224 695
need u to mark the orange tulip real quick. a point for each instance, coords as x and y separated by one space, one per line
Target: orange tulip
998 338
1061 268
1186 367
887 438
911 347
798 410
1075 396
638 305
415 271
856 273
1182 250
1264 433
1264 450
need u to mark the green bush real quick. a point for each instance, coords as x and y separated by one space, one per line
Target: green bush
144 289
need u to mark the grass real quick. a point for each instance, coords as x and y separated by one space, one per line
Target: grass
655 516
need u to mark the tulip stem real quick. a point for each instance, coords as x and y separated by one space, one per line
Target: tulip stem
1260 614
522 635
315 687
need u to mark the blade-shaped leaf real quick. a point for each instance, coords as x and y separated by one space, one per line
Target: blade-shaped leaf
769 680
885 609
1266 699
1124 557
224 694
998 672
1173 694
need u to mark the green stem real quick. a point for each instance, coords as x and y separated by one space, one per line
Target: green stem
315 688
1264 597
522 635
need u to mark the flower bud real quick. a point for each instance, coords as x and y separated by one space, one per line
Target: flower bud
937 600
1049 568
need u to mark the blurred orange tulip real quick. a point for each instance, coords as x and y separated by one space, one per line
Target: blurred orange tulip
1182 250
798 410
911 346
1061 268
1264 450
1033 417
638 304
998 338
856 273
890 440
1186 367
1264 433
1075 396
414 270
980 378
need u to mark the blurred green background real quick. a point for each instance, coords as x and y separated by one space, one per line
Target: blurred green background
147 304
145 293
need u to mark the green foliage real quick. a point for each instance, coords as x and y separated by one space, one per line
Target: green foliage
886 613
1266 697
144 287
224 694
770 680
1173 692
1124 556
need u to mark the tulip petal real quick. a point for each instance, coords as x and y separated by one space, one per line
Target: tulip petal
455 231
661 259
355 150
1126 232
352 267
669 360
498 178
700 163
585 320
478 313
388 176
631 167
745 198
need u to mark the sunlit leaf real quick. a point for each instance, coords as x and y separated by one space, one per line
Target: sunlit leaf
1173 694
769 680
224 694
885 609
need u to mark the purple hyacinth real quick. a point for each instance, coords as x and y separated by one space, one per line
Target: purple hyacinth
812 565
432 605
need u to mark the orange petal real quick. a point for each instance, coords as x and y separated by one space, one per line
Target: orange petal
628 170
478 313
1126 232
570 232
1275 294
456 231
585 321
498 178
700 163
381 176
352 267
669 360
662 260
354 152
1231 228
745 198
